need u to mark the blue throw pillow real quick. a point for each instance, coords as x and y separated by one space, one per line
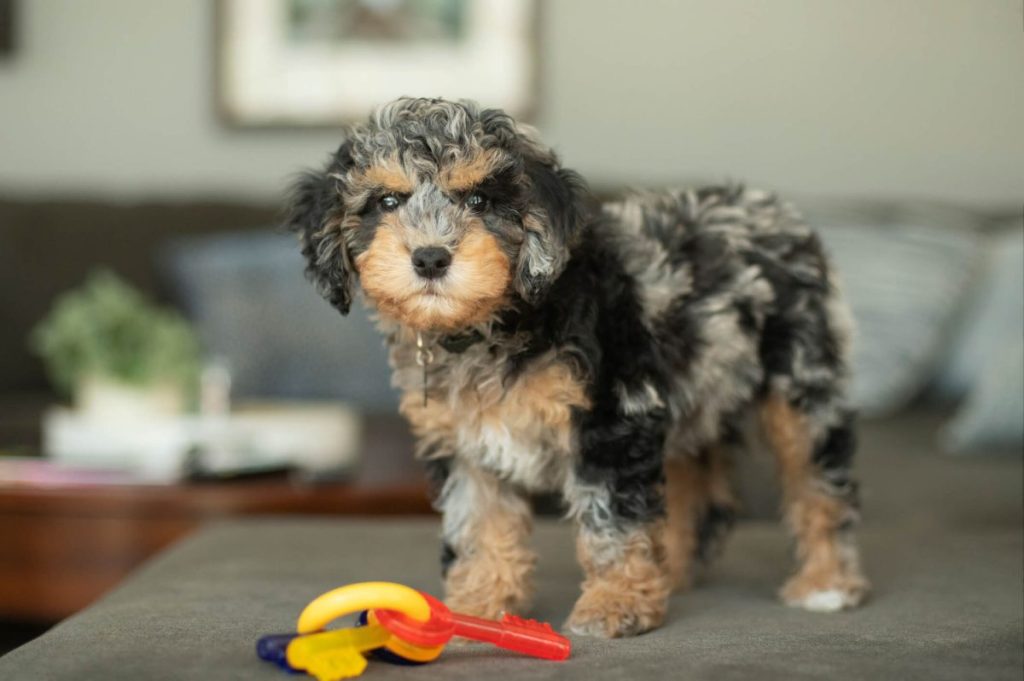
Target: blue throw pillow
987 360
905 271
255 310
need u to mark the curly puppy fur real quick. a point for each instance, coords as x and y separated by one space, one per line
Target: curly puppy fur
611 353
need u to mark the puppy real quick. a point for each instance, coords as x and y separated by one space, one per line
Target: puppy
609 353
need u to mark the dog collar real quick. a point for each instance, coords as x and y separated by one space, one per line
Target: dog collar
457 343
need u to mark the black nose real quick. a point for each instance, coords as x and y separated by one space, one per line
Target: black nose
431 262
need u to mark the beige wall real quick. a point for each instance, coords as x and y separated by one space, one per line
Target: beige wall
827 97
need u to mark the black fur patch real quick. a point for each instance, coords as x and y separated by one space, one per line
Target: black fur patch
448 557
315 197
623 452
438 471
837 449
713 524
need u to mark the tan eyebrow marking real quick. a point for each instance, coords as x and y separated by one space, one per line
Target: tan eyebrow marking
388 175
467 173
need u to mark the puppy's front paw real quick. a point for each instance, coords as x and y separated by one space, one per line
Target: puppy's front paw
488 606
610 613
816 594
476 588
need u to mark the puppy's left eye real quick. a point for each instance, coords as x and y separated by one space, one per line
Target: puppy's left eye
477 202
389 202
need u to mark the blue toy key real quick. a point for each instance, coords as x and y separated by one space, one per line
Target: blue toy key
274 648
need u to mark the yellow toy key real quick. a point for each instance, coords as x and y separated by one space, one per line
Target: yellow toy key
338 654
355 597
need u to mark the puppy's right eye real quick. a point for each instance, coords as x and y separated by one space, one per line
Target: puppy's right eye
389 202
477 202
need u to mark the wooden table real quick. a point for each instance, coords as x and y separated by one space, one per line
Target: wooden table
61 548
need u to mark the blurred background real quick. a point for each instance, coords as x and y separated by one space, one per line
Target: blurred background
164 363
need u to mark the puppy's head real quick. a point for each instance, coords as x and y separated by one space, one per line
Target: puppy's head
443 213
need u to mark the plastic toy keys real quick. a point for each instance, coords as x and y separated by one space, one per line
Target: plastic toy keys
355 597
399 623
335 655
338 654
528 637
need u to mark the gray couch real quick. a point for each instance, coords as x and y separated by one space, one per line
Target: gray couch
942 540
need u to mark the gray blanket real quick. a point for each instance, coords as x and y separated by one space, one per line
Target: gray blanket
942 544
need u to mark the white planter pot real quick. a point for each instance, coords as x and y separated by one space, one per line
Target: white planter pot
104 399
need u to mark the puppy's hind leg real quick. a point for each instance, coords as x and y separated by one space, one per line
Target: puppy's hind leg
700 509
819 499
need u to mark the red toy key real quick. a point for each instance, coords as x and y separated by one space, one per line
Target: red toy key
528 637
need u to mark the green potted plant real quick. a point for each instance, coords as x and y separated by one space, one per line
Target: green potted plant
115 353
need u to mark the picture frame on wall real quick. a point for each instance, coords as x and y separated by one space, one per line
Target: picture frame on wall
7 19
313 63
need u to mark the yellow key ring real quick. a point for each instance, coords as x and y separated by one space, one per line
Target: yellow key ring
362 596
406 650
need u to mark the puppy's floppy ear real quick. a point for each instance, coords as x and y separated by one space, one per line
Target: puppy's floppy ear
559 202
316 211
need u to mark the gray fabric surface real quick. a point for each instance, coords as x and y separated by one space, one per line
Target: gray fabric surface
942 542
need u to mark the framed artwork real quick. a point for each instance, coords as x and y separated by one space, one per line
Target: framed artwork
6 28
327 62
